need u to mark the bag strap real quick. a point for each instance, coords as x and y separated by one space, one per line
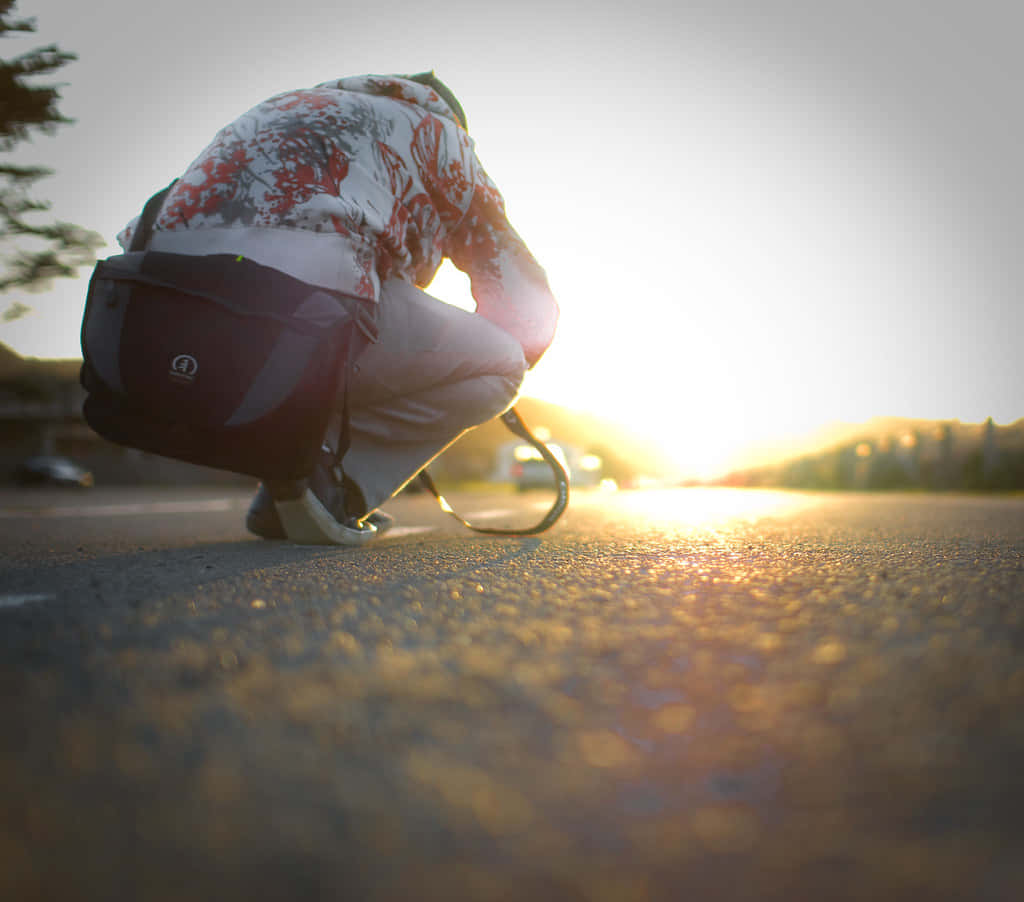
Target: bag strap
338 435
144 227
515 423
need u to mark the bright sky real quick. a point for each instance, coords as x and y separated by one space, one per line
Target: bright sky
758 217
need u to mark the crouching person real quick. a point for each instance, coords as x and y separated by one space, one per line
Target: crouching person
363 186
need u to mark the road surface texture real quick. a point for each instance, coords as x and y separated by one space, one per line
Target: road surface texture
692 694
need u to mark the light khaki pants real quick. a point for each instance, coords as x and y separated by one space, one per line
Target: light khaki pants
434 372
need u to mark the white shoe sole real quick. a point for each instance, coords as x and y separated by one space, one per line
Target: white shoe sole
307 522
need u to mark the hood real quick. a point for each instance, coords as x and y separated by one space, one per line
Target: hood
400 88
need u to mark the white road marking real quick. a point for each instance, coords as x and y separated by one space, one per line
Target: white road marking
212 505
490 514
407 531
498 513
16 601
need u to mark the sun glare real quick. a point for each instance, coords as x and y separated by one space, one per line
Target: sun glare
711 507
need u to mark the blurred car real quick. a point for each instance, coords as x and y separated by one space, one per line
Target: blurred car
45 469
531 471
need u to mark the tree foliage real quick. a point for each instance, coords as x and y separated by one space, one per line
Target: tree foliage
42 251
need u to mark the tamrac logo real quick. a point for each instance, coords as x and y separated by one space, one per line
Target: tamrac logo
184 368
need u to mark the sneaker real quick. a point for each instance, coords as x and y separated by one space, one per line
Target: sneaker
321 509
262 519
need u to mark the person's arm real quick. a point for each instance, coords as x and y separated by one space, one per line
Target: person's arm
508 284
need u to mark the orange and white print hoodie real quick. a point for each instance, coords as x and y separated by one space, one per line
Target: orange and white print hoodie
353 182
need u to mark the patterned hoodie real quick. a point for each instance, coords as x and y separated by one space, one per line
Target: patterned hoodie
352 182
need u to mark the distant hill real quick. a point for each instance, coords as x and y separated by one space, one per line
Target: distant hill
15 367
29 379
830 435
899 453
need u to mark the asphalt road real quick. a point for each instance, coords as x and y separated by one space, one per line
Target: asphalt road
695 694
